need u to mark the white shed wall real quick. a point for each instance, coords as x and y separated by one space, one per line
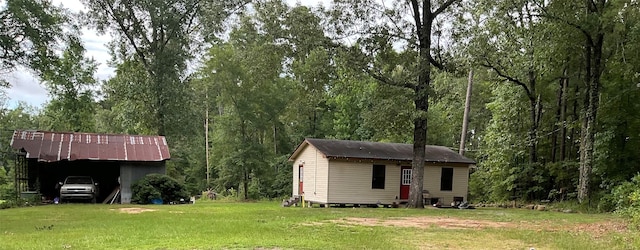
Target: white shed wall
315 175
460 183
350 182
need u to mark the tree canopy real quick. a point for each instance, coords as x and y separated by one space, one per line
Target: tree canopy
237 85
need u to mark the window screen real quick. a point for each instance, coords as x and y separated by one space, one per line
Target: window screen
379 171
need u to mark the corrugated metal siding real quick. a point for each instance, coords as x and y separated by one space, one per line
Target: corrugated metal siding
350 182
460 183
130 173
52 146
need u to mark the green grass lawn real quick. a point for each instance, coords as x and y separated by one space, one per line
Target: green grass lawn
266 225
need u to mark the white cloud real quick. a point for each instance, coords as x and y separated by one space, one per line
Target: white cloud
311 3
96 46
25 88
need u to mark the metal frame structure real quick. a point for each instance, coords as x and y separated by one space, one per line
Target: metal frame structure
21 173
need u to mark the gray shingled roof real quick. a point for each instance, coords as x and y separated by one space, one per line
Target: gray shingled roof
382 151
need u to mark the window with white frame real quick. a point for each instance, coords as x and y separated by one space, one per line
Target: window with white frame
406 176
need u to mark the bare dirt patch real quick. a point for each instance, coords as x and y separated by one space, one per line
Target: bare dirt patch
314 223
596 229
134 210
599 229
424 222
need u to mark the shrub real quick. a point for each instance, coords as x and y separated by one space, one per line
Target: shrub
7 188
633 211
627 199
607 202
154 186
4 204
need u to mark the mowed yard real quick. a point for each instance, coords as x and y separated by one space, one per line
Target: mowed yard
266 225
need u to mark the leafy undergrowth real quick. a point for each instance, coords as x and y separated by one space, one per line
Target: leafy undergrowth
573 205
266 225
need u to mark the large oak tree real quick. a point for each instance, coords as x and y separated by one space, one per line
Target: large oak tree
379 27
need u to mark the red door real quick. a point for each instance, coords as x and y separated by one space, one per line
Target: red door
405 182
300 178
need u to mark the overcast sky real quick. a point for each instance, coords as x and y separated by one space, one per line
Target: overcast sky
26 88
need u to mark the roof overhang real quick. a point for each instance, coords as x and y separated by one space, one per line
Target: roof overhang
298 150
394 152
48 146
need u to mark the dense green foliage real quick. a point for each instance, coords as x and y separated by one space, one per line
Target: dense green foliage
554 111
7 190
157 186
625 200
29 34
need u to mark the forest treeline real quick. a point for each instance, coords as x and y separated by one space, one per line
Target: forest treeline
554 108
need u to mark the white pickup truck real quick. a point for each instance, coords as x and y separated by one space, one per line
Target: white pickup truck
78 187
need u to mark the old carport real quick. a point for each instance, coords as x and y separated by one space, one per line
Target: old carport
45 158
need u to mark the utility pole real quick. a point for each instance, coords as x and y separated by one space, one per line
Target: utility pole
465 119
206 135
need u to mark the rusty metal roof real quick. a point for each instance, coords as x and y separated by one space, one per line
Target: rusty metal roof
379 151
54 146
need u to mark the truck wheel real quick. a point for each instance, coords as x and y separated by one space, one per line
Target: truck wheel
93 200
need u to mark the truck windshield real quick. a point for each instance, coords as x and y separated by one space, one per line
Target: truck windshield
78 180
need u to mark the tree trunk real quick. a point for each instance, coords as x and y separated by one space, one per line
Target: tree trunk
559 120
423 17
160 113
313 122
536 105
206 138
533 130
584 184
275 140
563 115
245 184
419 145
244 167
421 100
465 118
573 147
594 63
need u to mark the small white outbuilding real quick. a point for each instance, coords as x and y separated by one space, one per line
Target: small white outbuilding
358 172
